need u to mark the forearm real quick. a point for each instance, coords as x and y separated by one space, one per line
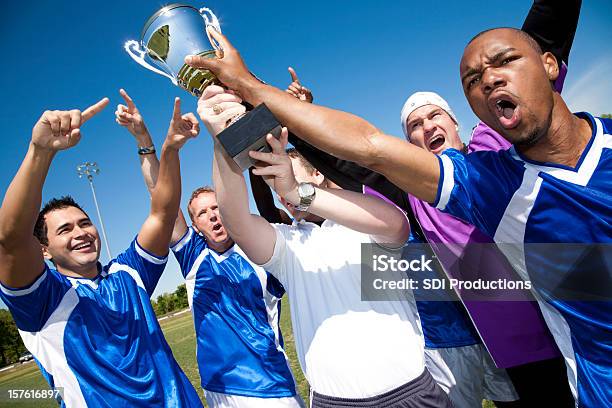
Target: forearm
351 138
252 233
553 25
156 233
324 128
360 212
149 164
264 199
23 197
166 196
149 167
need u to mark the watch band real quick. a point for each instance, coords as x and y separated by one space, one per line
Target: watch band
306 192
146 150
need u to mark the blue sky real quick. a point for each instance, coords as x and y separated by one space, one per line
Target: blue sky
363 57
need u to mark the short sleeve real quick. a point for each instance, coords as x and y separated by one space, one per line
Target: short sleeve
187 249
32 306
149 266
467 184
277 265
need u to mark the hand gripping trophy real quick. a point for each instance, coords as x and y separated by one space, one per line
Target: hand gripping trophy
178 30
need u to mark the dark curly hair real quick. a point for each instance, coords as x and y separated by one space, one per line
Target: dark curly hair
40 228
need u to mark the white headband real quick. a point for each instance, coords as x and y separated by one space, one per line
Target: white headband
418 99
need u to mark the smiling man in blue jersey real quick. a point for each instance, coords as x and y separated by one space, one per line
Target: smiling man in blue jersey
552 186
235 303
91 328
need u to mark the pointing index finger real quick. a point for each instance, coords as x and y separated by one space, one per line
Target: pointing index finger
127 99
294 76
94 110
176 114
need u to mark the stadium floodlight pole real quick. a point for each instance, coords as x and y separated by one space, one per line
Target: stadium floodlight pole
88 169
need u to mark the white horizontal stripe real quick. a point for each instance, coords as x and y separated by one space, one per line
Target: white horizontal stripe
448 183
23 292
151 258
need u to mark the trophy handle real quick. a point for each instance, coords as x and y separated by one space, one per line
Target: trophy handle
133 49
211 19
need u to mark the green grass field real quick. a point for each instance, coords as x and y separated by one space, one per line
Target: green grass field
180 334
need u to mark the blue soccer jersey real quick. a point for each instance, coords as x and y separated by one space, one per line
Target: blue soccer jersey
518 201
445 323
236 311
99 338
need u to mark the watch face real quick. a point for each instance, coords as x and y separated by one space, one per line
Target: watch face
306 189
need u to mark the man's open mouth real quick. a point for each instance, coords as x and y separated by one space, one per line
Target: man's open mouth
217 227
507 112
84 245
436 142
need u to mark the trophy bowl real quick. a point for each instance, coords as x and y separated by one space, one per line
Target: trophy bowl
168 36
178 30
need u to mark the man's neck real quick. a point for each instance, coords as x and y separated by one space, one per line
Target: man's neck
221 247
88 272
565 140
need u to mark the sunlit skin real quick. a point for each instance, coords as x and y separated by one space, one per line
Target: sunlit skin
432 128
501 67
303 175
205 216
74 243
508 84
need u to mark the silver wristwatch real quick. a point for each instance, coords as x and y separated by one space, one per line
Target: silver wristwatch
306 192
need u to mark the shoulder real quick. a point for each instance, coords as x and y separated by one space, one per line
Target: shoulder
485 138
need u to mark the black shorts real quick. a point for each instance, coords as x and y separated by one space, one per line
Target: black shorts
422 392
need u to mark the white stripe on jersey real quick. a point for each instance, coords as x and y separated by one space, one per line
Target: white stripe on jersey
26 291
190 279
117 267
587 167
149 257
448 183
511 229
179 245
47 345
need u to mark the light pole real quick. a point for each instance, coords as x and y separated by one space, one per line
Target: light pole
88 169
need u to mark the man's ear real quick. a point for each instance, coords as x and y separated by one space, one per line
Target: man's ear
319 177
45 252
550 65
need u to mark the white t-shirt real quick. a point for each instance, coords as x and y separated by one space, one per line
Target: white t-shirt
347 347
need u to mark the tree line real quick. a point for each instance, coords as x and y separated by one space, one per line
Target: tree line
11 345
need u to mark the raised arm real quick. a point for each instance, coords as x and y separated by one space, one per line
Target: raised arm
338 133
156 232
364 213
265 201
129 117
553 25
21 259
255 236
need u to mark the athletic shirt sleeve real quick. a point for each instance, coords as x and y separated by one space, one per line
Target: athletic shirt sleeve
466 185
31 306
187 249
279 264
148 266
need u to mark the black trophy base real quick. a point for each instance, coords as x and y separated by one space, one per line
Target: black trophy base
249 133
